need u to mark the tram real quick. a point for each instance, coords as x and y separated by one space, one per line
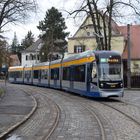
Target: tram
91 73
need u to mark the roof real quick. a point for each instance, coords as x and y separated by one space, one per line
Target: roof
113 24
134 39
36 46
15 60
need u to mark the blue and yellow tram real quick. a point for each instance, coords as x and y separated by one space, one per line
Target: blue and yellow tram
91 73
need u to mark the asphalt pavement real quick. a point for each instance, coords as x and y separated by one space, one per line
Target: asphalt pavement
16 106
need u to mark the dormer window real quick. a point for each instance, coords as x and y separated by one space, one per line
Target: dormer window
88 33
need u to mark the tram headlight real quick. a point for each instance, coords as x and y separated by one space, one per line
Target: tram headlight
101 84
121 84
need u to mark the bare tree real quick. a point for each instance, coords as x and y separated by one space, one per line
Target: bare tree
103 13
12 11
4 55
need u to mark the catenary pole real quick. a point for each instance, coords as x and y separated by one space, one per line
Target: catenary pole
129 58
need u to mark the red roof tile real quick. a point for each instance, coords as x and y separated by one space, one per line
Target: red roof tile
15 60
134 39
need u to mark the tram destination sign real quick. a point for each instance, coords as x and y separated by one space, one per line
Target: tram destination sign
110 60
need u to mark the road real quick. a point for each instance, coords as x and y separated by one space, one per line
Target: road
57 115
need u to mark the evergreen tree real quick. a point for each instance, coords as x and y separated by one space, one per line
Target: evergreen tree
53 29
27 41
16 48
14 45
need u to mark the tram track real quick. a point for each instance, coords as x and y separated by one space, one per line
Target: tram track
56 119
123 103
31 121
101 126
92 111
95 110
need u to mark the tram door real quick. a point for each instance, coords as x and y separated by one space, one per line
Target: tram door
55 77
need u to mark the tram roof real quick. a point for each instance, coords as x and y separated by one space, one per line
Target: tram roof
41 64
79 56
15 68
55 62
107 52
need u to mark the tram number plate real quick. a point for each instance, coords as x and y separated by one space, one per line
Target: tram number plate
113 86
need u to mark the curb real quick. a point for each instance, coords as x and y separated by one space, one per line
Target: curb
132 89
23 120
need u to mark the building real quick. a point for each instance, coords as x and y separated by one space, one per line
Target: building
85 38
14 60
134 46
30 56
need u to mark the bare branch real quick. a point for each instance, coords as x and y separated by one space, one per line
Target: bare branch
15 10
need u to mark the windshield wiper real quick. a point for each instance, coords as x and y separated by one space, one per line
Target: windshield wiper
106 76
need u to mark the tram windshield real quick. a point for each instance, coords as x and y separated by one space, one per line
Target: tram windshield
110 69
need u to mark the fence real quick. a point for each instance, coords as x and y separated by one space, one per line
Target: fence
135 81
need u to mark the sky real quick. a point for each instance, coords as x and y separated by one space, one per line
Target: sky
21 30
43 5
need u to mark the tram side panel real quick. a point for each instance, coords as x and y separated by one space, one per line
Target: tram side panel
92 80
12 76
44 77
16 76
66 78
79 79
19 77
55 77
28 76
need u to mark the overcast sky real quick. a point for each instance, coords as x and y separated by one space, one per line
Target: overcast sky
22 29
69 5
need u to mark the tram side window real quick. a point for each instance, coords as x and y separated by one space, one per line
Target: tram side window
55 74
66 73
27 74
36 72
18 74
79 73
44 74
52 73
12 74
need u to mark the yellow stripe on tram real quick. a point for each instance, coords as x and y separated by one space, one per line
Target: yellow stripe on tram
15 69
79 61
40 67
55 66
30 68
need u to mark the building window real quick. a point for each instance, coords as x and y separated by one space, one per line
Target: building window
79 48
26 57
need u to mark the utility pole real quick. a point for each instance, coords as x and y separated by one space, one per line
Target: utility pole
129 58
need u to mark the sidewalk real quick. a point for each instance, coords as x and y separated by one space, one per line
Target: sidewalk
15 107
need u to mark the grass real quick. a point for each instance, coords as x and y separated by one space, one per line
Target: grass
1 92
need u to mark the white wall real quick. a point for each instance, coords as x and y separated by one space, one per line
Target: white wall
30 60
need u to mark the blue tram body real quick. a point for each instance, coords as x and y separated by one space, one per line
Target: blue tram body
91 73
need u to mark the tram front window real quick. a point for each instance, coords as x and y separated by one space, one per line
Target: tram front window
109 72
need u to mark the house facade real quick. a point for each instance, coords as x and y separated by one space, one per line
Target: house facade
134 48
85 38
30 56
